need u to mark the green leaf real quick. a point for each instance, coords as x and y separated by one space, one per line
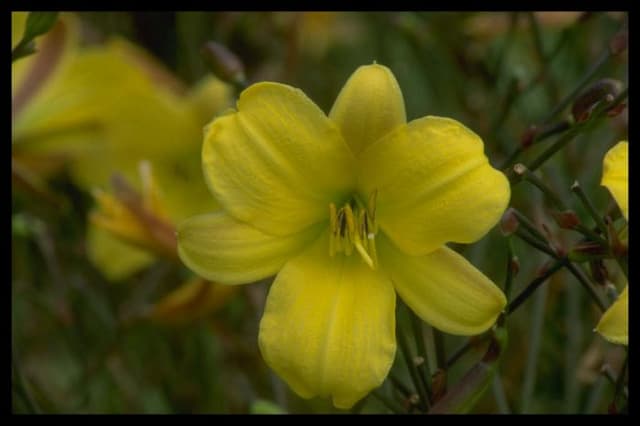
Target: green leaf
38 23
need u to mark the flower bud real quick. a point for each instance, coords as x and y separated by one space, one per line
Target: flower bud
529 135
602 90
223 63
586 251
618 43
438 384
509 223
514 264
567 219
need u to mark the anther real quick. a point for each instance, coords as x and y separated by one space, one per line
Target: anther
353 226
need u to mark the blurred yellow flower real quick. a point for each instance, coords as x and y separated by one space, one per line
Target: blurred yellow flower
190 301
303 192
614 324
106 109
103 109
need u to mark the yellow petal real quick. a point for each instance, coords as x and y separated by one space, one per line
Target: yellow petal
434 185
368 107
221 249
614 324
278 162
190 301
329 326
443 288
116 259
615 175
33 74
105 130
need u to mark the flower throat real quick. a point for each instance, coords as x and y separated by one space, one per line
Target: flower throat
354 226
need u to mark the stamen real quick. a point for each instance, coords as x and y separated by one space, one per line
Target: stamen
353 225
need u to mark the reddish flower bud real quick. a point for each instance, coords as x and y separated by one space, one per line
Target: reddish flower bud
509 222
567 219
604 90
618 43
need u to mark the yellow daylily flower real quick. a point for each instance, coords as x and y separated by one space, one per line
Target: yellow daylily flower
192 300
102 109
346 209
614 324
110 108
139 219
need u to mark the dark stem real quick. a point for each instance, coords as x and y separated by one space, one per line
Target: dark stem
423 368
464 349
543 247
545 133
413 370
528 291
564 261
528 225
577 189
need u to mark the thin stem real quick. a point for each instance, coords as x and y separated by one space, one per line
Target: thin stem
399 385
563 262
413 370
557 201
573 132
532 287
423 368
528 225
393 406
500 396
544 134
577 189
543 247
531 368
592 235
464 349
585 283
538 183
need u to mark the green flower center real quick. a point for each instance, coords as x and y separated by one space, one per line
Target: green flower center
354 226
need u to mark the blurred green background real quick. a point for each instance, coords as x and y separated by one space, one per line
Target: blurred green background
82 342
